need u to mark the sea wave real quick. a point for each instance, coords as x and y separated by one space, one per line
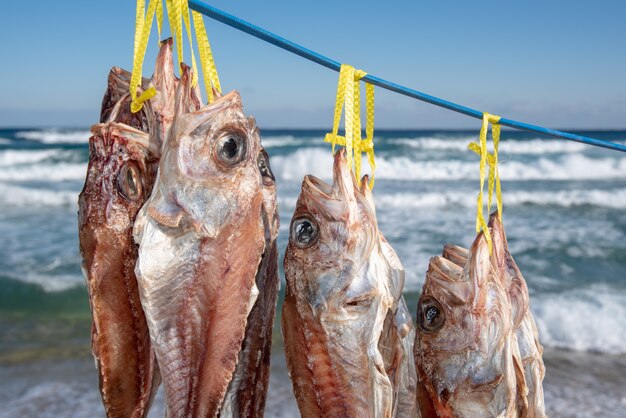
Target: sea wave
55 136
613 198
23 196
4 141
531 146
317 161
17 157
590 319
45 172
282 141
50 282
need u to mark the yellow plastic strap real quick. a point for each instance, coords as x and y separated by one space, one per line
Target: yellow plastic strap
184 8
159 15
494 176
367 145
174 15
209 71
349 97
143 25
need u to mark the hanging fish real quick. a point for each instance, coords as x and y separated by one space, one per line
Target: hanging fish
530 399
526 333
466 355
247 390
122 167
347 331
120 174
201 239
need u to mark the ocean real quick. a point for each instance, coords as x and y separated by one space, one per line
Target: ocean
564 213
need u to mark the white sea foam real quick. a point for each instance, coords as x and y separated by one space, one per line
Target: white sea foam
51 282
4 141
45 172
614 198
55 136
591 319
533 146
317 161
22 196
16 157
282 140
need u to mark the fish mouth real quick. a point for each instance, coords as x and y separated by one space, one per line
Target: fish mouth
318 185
171 213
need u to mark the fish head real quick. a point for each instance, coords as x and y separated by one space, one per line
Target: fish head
463 327
337 270
119 176
332 235
208 171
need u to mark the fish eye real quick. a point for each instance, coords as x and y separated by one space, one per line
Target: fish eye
304 232
231 149
263 163
129 182
430 315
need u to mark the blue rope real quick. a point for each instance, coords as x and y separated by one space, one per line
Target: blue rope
292 47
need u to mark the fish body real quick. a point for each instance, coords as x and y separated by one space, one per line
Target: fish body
122 168
466 355
201 239
526 334
247 390
119 178
347 332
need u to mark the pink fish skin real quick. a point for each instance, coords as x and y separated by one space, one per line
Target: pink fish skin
465 353
201 239
119 178
347 332
122 168
247 390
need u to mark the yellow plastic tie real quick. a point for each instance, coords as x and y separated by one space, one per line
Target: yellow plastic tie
494 176
143 25
174 17
349 98
184 9
159 15
209 71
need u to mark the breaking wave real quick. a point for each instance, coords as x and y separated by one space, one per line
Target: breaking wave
22 196
591 319
533 146
55 136
316 161
15 157
615 199
45 172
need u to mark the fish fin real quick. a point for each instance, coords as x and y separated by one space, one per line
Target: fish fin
478 267
522 388
499 243
343 179
458 255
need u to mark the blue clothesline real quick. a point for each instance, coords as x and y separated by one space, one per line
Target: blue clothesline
290 46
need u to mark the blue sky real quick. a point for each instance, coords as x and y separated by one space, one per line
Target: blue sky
559 63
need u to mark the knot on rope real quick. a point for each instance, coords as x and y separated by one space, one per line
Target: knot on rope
349 97
490 159
178 16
